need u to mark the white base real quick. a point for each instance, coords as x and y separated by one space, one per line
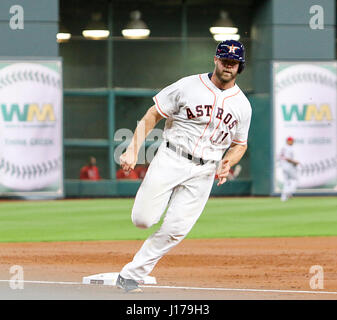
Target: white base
110 279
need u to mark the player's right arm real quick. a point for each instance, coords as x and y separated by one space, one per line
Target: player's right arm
295 163
129 158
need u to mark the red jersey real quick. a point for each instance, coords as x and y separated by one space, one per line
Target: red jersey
132 175
89 173
141 171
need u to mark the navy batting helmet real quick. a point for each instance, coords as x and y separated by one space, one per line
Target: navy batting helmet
232 49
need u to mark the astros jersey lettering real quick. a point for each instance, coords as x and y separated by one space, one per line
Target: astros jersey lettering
202 119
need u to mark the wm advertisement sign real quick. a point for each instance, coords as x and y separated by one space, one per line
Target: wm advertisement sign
309 112
30 112
305 109
31 128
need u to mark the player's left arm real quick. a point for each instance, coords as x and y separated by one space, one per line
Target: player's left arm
238 146
235 153
232 157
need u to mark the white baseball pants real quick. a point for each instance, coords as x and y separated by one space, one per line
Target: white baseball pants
289 183
181 186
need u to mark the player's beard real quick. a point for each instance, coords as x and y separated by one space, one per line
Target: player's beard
224 77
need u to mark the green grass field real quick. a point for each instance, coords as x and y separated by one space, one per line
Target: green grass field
109 219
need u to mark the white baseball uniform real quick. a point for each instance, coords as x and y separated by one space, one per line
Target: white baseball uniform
289 172
201 123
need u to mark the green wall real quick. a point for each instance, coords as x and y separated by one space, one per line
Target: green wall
156 65
180 44
280 31
40 25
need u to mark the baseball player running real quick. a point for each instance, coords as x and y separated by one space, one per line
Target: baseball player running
289 168
206 114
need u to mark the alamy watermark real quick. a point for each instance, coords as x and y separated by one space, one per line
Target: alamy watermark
317 280
152 141
148 148
16 21
317 17
17 279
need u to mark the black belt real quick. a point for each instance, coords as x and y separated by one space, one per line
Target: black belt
186 155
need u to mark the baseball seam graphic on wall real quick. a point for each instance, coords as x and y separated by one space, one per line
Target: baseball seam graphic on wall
31 140
304 108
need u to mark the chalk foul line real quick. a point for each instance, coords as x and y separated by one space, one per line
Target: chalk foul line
182 288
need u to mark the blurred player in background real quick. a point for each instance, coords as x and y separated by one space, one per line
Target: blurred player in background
90 171
289 168
141 170
126 175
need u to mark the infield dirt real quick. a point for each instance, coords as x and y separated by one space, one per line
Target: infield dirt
254 263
